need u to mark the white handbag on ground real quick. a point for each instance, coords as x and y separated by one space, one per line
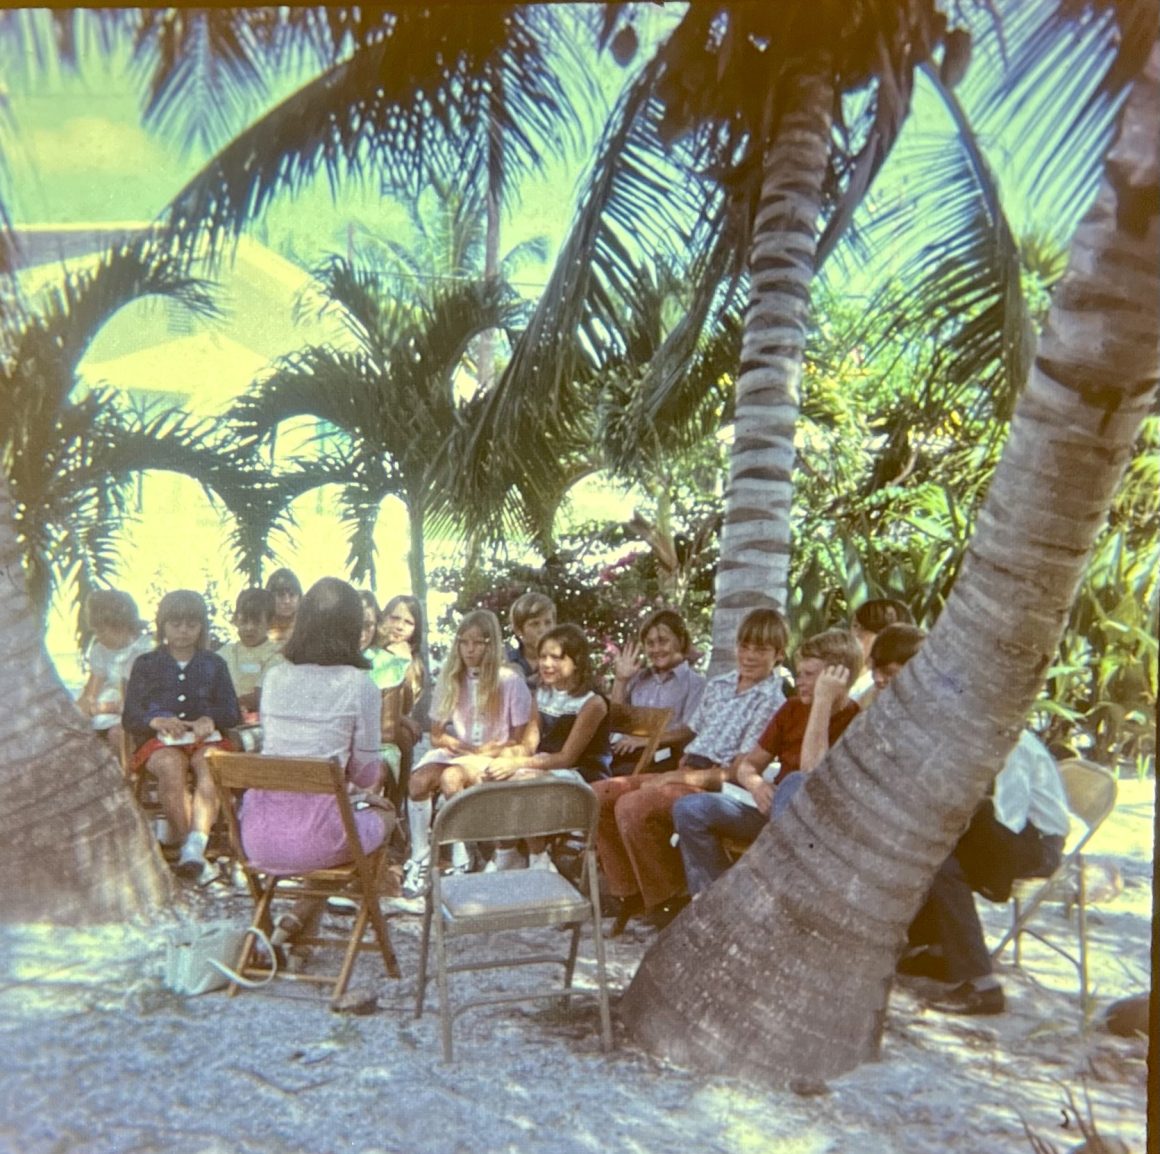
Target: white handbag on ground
199 957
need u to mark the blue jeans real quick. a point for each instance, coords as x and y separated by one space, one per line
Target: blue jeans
702 820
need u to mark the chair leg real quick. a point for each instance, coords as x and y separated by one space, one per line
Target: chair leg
261 921
602 983
1083 969
379 925
352 949
424 944
444 990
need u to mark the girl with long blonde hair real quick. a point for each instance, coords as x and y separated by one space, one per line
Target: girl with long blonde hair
482 710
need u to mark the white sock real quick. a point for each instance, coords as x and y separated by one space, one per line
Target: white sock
419 819
460 858
196 842
508 858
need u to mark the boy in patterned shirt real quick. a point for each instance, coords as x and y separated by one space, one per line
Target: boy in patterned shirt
641 866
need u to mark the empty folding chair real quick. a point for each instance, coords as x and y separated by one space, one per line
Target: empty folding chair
487 903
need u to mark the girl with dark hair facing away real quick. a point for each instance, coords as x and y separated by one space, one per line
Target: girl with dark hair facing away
180 699
319 702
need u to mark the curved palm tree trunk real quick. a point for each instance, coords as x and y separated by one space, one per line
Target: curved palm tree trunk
76 848
785 965
755 536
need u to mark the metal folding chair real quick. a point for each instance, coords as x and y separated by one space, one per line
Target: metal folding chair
485 903
1091 796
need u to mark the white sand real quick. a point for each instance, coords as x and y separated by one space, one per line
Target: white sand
98 1058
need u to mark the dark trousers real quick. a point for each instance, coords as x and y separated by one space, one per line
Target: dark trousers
987 859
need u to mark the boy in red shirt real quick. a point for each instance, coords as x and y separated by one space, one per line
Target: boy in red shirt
799 735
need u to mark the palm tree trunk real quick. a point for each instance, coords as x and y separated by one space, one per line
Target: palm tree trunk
76 848
785 965
755 537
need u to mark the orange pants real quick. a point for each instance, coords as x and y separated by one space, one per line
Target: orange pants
634 839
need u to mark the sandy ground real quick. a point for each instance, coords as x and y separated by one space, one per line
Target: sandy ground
97 1057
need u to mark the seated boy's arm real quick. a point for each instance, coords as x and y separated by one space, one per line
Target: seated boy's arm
748 771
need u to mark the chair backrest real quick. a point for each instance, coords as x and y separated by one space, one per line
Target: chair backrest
1091 792
501 810
640 721
235 771
285 774
398 701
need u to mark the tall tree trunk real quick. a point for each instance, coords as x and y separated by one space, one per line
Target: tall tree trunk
755 536
417 566
492 199
785 965
76 848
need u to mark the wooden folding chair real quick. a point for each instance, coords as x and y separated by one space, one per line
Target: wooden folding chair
640 721
486 903
357 879
1091 796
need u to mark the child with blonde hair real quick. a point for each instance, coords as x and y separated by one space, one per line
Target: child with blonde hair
482 709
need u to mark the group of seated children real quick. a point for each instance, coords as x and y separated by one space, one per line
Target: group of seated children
489 725
173 697
738 748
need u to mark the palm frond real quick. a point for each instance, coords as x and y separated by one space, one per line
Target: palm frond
416 92
204 70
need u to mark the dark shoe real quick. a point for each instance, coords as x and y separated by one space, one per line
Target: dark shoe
622 909
968 999
660 916
923 962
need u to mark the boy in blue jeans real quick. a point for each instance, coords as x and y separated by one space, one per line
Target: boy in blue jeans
798 736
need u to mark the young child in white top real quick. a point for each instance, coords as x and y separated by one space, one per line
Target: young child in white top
118 641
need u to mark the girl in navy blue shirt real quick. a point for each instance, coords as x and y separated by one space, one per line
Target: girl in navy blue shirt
179 700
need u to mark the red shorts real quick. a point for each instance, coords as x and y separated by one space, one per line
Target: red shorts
155 743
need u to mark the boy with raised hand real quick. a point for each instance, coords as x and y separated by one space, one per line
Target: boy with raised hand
799 735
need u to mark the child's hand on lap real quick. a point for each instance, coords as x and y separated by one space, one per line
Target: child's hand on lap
168 726
202 728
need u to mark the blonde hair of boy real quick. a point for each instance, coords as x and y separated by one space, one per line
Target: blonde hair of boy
764 629
834 647
453 675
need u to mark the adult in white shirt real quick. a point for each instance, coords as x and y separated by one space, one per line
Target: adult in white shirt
1017 832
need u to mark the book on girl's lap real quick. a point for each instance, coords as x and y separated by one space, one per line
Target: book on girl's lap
187 738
